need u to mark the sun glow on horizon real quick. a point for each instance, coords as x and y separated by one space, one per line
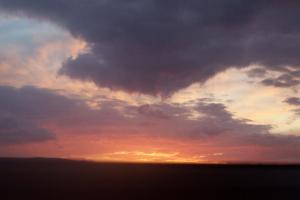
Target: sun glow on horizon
153 157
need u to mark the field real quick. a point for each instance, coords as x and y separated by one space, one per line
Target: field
39 178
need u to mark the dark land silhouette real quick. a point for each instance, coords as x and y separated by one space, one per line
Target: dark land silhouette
41 178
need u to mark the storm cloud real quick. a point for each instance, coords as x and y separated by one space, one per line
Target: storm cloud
157 47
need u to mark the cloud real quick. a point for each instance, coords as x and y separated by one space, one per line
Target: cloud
257 73
219 121
31 53
20 111
158 47
33 103
283 81
47 108
44 106
23 110
153 112
32 114
19 131
294 101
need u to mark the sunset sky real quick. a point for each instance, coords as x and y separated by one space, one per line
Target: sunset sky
204 81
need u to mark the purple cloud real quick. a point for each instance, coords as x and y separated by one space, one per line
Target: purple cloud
158 47
25 111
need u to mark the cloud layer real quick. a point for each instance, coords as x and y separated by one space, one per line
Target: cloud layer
31 114
295 102
158 47
19 131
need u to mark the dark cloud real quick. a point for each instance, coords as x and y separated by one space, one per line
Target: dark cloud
20 109
296 73
34 103
218 121
214 123
29 114
283 81
202 121
19 131
23 111
257 73
43 107
295 101
46 107
158 47
153 112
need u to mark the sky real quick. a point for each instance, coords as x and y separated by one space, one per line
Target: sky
209 81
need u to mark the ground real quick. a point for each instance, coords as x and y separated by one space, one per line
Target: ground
68 179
